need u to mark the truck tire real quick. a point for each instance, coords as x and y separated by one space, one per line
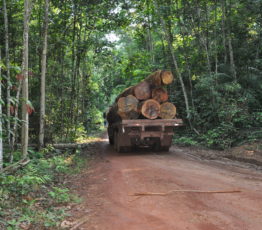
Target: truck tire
115 141
117 146
165 148
111 140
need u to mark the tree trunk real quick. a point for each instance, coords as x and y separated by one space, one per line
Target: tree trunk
167 77
170 45
16 116
43 73
160 94
25 118
224 30
127 107
142 91
155 78
125 93
1 130
7 72
150 109
230 47
112 115
167 111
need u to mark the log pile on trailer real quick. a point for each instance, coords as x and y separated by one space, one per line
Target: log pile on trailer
146 100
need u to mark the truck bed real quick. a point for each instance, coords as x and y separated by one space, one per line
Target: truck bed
156 133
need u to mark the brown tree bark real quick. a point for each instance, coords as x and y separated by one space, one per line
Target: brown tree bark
155 78
125 93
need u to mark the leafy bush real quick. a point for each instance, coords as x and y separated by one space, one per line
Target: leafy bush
29 196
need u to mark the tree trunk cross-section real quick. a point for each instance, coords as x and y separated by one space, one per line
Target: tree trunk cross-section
142 91
160 94
167 77
167 111
127 107
150 109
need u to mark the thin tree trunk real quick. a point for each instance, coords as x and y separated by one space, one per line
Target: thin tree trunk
230 47
25 117
224 31
231 57
7 73
13 140
170 45
43 73
1 130
216 49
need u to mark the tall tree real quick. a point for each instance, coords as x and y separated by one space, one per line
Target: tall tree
25 117
7 72
169 38
43 74
1 130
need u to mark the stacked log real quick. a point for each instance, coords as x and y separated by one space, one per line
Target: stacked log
146 100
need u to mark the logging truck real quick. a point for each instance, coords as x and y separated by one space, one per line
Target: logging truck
142 116
155 134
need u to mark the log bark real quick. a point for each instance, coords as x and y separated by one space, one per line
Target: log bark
125 93
112 115
167 77
142 91
150 109
127 107
160 94
167 111
155 78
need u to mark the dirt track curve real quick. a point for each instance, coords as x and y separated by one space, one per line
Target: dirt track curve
106 187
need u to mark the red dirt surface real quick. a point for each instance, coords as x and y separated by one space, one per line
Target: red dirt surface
107 184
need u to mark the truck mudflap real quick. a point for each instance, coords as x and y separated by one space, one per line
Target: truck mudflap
143 133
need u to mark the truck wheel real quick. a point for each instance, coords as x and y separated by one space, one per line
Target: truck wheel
115 141
157 147
165 148
111 140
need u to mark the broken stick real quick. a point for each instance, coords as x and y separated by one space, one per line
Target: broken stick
174 191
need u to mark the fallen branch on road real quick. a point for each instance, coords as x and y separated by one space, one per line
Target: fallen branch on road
174 191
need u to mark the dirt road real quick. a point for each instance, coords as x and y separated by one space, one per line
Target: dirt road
106 187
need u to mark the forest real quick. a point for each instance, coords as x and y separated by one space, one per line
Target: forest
63 62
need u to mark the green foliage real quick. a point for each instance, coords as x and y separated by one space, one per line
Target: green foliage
185 141
60 195
31 196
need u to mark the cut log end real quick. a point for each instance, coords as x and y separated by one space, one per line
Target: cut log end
127 107
160 94
150 109
167 77
142 91
167 111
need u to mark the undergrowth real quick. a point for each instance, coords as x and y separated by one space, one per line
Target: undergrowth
37 197
221 137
